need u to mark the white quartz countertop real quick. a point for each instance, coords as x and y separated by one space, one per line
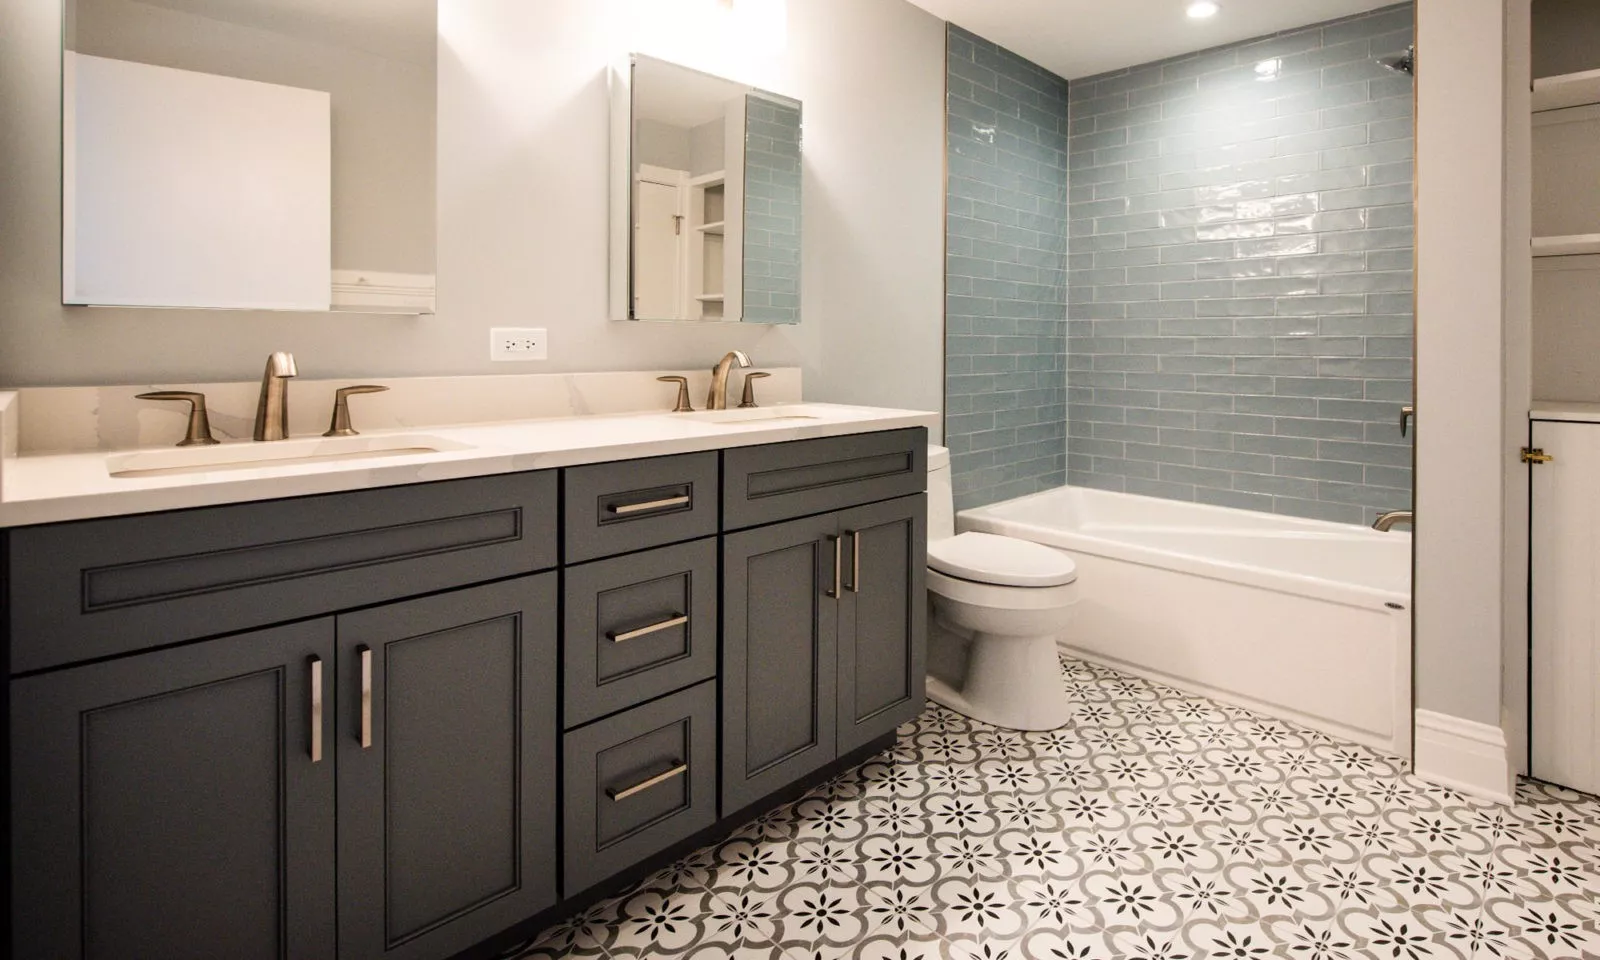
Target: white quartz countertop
47 488
1570 411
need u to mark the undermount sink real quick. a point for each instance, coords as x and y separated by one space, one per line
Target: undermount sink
741 415
278 453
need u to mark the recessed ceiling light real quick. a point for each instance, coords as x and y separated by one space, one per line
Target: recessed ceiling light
1203 10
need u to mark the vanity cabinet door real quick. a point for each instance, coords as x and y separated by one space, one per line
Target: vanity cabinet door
779 656
883 615
446 732
174 804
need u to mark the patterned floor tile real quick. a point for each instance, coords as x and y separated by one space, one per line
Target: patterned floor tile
1157 825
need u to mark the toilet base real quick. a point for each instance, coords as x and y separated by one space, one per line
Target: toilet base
1010 682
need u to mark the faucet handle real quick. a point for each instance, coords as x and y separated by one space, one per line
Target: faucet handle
683 405
199 431
749 398
340 425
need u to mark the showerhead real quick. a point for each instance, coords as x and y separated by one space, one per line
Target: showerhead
1405 63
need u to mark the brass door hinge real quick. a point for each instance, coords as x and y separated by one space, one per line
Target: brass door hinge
1535 455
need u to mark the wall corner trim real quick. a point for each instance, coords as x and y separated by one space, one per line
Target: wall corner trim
1464 755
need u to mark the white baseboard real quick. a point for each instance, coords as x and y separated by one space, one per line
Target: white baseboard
1463 754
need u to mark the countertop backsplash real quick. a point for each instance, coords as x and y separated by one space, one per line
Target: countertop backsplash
42 420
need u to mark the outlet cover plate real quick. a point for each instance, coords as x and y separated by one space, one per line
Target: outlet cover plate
518 343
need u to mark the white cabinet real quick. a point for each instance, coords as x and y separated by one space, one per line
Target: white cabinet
185 189
1566 600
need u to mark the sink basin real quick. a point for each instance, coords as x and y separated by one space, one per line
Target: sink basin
789 411
279 453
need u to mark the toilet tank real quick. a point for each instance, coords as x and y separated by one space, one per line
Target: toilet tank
941 497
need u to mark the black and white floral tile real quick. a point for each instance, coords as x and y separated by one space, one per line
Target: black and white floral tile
1158 826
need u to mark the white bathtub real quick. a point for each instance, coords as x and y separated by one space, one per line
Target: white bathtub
1300 619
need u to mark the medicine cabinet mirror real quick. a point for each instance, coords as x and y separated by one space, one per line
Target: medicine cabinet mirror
705 219
249 154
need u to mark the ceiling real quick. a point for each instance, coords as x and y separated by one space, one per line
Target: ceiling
1081 38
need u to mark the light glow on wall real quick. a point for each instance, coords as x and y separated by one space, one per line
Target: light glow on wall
739 39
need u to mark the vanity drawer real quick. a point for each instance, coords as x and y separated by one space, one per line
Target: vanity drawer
614 508
637 783
95 588
637 627
781 481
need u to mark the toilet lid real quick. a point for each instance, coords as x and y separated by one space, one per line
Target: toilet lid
1004 561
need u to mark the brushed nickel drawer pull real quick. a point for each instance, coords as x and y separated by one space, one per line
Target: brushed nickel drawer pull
676 620
626 508
677 771
855 563
838 565
366 695
316 709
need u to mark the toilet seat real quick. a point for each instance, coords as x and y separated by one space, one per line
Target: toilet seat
1001 561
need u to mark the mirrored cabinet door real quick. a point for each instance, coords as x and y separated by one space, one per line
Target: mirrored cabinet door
249 154
706 197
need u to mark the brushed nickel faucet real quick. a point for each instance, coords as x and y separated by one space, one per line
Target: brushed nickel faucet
719 378
199 432
1387 521
272 411
340 425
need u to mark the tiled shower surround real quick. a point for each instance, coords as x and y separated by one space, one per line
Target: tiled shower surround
1241 281
1005 338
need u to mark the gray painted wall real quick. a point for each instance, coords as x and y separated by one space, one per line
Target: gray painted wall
1006 303
1241 287
522 166
772 213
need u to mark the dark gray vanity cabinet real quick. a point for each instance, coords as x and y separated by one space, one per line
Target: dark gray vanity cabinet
394 724
638 782
824 617
179 804
883 613
446 750
780 647
823 641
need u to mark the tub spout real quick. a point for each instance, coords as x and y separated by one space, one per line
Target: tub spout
1387 521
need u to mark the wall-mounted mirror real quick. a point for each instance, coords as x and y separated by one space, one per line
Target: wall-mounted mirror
705 197
249 154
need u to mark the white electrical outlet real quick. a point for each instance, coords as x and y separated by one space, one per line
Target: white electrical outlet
518 343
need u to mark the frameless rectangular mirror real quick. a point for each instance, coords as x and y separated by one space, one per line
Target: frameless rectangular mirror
705 215
249 154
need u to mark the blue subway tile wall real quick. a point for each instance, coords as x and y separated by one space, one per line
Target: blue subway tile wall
1006 273
1241 280
771 211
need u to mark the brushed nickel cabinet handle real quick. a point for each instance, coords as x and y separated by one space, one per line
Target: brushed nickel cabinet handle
316 708
679 769
855 561
366 695
838 566
676 620
627 508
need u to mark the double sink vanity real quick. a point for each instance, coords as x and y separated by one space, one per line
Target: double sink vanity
418 691
410 668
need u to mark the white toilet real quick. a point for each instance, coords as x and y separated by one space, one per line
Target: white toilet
997 604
